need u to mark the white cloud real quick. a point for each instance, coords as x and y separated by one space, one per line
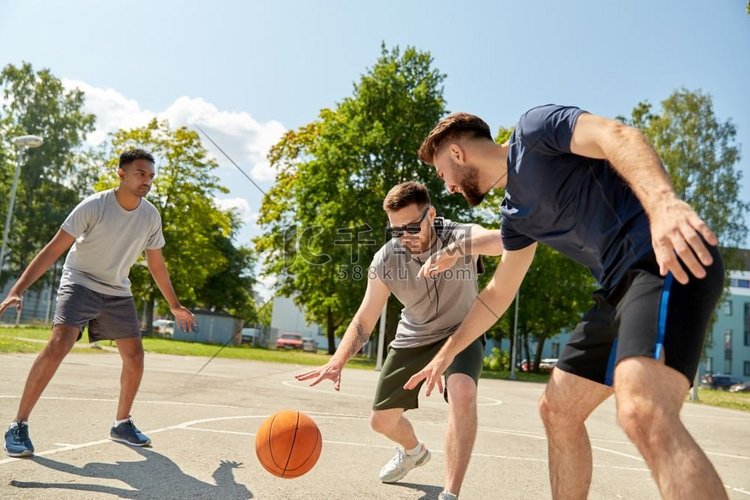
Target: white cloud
241 206
112 109
266 288
246 140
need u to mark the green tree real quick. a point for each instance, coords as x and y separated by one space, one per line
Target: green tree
230 289
555 293
206 269
53 177
323 220
700 153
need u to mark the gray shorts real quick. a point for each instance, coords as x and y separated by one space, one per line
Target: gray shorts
109 317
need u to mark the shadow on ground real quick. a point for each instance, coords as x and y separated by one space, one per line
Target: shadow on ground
155 477
430 491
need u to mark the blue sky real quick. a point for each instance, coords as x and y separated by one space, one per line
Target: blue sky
247 71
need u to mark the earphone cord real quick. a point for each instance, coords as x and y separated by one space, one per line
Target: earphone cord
427 286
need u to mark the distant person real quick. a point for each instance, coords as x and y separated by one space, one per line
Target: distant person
595 190
108 231
436 297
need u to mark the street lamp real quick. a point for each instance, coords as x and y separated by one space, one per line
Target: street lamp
22 142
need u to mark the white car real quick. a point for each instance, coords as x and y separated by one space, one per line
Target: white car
163 327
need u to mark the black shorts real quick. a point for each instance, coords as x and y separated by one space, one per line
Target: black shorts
109 317
645 315
401 364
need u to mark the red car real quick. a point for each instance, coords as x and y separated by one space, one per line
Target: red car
289 341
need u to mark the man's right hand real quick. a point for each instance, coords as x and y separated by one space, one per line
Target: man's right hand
330 371
676 231
12 300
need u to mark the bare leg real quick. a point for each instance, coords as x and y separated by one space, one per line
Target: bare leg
462 429
45 365
392 424
131 352
565 405
649 398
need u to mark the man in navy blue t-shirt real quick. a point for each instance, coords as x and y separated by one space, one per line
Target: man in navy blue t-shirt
595 190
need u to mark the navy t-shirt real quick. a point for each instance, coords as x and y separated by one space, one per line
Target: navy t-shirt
577 205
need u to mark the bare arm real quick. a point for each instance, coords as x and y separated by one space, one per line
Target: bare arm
479 241
676 229
158 268
356 334
61 242
490 305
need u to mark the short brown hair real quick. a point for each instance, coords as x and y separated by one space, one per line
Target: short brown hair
452 126
404 194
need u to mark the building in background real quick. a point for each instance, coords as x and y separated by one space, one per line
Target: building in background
288 318
729 349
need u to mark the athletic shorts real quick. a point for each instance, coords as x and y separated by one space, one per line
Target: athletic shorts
645 315
401 364
109 317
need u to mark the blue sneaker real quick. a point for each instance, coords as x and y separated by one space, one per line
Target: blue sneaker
128 433
17 441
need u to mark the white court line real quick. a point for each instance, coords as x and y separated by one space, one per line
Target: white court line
432 450
425 402
738 490
66 447
105 400
188 426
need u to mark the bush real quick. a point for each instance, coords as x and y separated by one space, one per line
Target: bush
497 361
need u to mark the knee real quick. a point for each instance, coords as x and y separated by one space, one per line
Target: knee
462 392
556 414
381 423
644 421
58 347
133 358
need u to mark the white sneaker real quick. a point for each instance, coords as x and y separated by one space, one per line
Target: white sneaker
444 495
401 464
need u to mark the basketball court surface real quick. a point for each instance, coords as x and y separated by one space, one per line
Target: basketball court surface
203 432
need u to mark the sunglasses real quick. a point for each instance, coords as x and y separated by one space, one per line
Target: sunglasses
411 228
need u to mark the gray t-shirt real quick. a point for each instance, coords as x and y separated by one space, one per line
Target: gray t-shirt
433 308
109 240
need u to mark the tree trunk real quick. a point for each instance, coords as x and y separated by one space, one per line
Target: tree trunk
150 313
538 354
527 351
330 331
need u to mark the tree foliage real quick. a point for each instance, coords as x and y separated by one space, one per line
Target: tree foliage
53 177
700 153
205 267
323 219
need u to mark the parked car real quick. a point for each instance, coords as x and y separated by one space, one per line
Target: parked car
250 335
163 327
309 345
741 387
547 364
289 341
718 381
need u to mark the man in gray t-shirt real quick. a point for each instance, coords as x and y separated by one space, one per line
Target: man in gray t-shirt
430 265
107 231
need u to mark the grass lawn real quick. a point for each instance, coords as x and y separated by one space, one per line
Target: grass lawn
14 340
725 399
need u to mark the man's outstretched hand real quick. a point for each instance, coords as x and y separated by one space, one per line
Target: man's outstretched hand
431 374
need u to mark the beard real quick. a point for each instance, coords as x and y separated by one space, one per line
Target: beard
470 186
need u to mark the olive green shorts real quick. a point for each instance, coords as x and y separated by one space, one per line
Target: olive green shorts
401 364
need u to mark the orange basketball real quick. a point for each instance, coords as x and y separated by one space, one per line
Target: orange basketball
288 444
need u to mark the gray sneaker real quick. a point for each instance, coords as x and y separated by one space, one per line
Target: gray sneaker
17 441
444 495
128 433
401 464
